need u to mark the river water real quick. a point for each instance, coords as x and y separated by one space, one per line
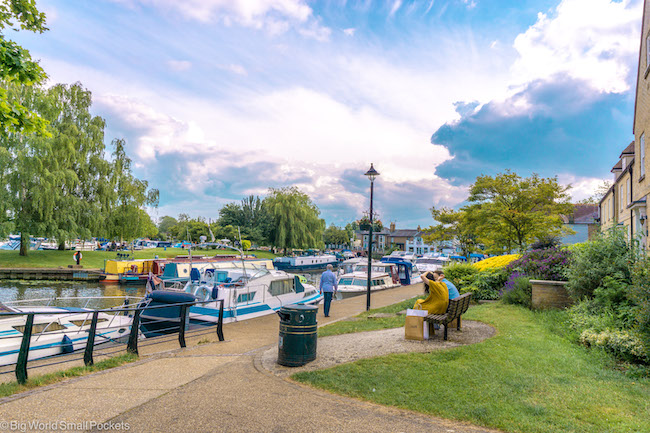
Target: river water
18 290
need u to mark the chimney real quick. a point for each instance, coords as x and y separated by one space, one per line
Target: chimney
419 229
392 226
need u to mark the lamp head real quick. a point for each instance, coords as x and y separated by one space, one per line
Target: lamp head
372 173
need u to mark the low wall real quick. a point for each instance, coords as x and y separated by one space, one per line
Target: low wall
550 294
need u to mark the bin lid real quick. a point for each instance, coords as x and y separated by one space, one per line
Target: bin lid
299 307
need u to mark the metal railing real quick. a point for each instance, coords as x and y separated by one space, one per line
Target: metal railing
93 318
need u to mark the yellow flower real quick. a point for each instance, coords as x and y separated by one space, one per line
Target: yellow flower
496 262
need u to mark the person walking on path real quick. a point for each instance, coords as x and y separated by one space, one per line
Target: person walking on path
328 287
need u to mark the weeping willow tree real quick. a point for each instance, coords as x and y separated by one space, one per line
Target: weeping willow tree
296 222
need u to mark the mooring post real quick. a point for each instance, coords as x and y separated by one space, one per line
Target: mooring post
220 323
183 323
132 346
90 344
21 365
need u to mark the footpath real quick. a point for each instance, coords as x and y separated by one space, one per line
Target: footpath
214 387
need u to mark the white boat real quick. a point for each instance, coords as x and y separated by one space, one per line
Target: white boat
347 266
357 282
305 263
246 293
429 263
400 255
56 330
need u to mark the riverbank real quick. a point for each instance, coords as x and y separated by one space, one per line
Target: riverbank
96 259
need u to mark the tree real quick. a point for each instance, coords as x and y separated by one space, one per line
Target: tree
17 67
512 211
125 220
165 224
251 216
334 235
453 225
296 222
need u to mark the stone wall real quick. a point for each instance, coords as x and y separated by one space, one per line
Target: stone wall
550 294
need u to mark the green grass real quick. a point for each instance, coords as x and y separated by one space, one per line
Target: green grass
362 323
528 378
95 259
10 388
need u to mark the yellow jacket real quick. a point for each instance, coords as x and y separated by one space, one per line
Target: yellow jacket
437 301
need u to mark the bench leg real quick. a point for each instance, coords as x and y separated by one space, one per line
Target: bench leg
458 328
432 329
445 325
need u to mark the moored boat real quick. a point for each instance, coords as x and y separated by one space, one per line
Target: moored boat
305 263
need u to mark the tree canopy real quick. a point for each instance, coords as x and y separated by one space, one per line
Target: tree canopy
18 68
453 225
510 211
296 222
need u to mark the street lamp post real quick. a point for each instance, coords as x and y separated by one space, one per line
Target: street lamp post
372 174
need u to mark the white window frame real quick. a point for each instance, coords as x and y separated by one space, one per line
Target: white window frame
642 154
629 190
620 197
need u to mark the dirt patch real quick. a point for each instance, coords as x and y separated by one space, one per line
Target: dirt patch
339 349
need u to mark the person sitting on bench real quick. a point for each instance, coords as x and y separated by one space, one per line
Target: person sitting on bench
438 299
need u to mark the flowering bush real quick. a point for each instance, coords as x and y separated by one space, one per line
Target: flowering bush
496 262
364 224
518 290
548 264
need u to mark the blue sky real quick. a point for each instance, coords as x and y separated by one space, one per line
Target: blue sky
219 99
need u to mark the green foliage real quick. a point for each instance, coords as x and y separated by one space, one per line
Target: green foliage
17 67
251 216
246 244
334 235
521 292
165 224
622 344
453 225
487 284
509 211
640 294
609 254
296 222
462 275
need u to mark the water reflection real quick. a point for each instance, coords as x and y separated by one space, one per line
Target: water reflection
22 290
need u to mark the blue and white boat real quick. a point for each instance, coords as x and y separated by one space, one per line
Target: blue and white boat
246 292
305 263
56 330
408 271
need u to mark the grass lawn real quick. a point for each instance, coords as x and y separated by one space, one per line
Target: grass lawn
364 323
95 259
528 378
10 388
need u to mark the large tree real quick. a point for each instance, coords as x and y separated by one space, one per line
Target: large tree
296 222
334 235
251 216
125 220
18 68
511 211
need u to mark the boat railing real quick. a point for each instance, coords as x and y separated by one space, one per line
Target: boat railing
90 319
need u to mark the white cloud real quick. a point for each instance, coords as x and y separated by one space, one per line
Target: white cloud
235 69
591 40
349 32
179 65
471 4
581 187
395 7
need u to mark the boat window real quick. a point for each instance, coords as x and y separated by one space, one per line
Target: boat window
281 287
37 328
245 297
360 282
86 322
347 281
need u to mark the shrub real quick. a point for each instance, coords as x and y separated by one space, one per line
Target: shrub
622 344
640 294
608 254
496 262
461 274
487 284
547 264
518 290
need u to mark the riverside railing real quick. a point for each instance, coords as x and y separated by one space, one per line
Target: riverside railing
52 335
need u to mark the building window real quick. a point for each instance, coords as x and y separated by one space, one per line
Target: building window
642 154
629 190
620 197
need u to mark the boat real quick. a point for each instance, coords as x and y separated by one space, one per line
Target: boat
430 263
247 292
313 262
347 266
382 276
408 271
56 329
401 255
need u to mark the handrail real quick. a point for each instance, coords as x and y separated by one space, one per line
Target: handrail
132 344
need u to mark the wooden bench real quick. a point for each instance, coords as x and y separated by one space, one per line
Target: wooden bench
455 309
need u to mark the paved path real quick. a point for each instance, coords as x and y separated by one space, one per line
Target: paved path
216 387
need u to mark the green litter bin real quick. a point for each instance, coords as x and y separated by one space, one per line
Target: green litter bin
297 340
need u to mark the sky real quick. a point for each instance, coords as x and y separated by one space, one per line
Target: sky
221 99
